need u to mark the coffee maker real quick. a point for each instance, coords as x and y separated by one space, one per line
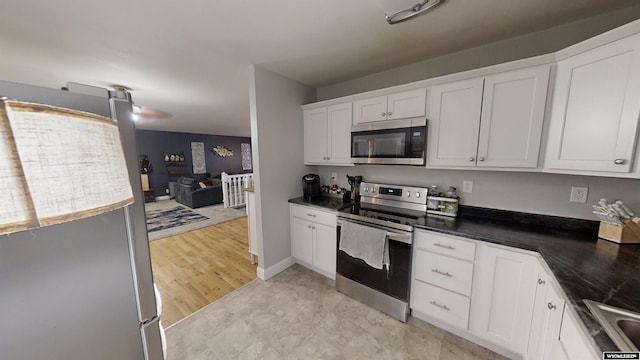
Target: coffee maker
355 181
311 186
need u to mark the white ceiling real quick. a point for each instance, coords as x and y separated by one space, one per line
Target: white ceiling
190 58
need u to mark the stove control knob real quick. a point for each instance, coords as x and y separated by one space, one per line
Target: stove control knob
366 188
417 194
375 190
408 193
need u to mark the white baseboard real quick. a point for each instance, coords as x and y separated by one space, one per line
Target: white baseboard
271 271
465 334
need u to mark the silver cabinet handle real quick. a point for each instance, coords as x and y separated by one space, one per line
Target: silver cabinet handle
328 158
480 158
312 215
619 161
541 282
440 306
471 158
441 273
551 306
383 114
309 226
389 113
444 246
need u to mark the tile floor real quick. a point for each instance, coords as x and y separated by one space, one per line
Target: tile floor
299 315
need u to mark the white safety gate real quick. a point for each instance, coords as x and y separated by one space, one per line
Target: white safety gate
233 189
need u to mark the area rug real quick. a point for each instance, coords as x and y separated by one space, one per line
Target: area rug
168 218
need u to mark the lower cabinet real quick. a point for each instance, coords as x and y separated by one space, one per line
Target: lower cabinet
497 296
572 343
548 309
313 239
442 278
503 295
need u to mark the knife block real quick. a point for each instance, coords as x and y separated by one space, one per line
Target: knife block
627 233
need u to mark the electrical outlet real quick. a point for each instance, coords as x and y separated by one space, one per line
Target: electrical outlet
579 194
467 186
334 176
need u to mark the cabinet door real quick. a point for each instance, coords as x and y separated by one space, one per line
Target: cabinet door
407 104
339 121
454 120
573 340
554 314
370 110
513 107
324 248
503 295
302 240
595 111
315 136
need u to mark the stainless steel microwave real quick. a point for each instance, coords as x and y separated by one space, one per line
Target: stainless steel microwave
399 142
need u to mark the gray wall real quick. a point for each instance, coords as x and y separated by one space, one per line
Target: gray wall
276 133
527 192
520 47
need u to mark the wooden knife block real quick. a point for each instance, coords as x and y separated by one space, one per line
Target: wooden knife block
628 233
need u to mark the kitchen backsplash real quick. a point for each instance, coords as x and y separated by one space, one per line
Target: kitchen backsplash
536 193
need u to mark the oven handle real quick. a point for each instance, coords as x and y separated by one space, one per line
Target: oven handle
406 238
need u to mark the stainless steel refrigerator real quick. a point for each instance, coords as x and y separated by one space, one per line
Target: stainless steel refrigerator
81 289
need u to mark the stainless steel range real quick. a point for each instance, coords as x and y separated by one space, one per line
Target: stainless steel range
388 213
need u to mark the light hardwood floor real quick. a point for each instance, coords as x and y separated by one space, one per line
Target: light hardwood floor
195 268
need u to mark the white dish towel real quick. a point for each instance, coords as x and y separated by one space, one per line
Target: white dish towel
366 243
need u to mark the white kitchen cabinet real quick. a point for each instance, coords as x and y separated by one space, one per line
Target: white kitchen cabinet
313 239
503 296
315 135
494 121
596 104
324 248
327 135
572 342
513 105
547 317
302 239
442 278
454 122
402 105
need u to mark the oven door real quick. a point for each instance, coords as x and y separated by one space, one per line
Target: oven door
394 282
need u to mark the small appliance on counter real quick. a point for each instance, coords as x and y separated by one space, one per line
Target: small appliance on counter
311 186
442 203
355 182
617 222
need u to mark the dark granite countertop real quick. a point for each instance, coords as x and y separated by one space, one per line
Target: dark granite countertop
324 203
585 267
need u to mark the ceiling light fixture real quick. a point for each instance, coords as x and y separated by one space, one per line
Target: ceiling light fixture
412 11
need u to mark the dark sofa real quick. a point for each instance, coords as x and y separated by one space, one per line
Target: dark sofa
188 192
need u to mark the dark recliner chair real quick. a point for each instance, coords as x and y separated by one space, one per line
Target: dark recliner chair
189 193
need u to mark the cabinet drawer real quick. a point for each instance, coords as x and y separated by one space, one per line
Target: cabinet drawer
312 214
445 245
451 274
441 304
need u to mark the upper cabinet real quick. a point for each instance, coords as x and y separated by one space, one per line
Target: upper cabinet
401 105
495 121
596 104
453 123
327 135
